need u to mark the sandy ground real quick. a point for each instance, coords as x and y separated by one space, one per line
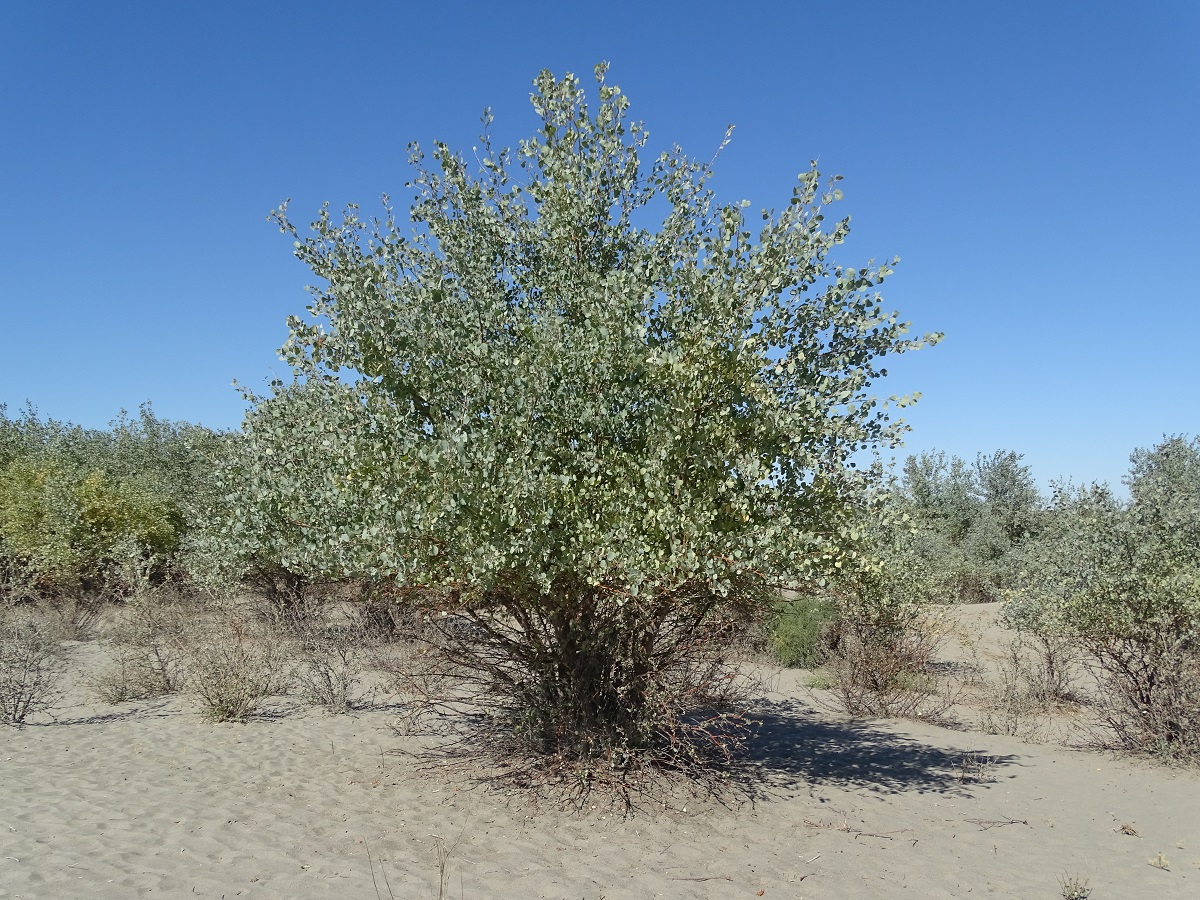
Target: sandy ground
146 800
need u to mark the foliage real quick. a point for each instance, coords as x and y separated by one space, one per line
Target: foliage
800 630
1121 581
84 510
177 453
586 437
970 521
70 528
882 589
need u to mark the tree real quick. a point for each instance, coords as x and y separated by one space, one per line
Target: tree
98 511
589 438
1121 582
970 519
1007 489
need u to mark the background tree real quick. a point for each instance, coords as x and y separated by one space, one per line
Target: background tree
589 438
95 511
970 521
1121 582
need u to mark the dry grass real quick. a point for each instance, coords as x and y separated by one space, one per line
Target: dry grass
976 767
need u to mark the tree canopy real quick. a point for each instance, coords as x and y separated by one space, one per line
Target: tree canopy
530 382
578 403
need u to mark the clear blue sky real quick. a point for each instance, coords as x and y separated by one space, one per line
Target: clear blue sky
1035 164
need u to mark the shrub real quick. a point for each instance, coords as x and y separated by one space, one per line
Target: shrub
1029 682
587 442
881 663
99 512
801 630
72 617
330 657
147 655
1121 582
233 665
885 637
31 661
74 529
17 584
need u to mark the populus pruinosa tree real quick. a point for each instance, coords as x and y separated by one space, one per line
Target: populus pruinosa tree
577 408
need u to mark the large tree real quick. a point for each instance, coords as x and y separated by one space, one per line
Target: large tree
583 405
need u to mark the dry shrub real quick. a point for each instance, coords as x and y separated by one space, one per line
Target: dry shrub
1149 693
73 616
883 643
148 640
1074 887
1052 678
1030 682
881 662
278 595
624 696
234 663
331 649
1015 701
31 662
74 612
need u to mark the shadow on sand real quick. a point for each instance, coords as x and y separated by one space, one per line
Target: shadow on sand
156 707
796 745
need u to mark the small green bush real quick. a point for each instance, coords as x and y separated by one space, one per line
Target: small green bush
801 631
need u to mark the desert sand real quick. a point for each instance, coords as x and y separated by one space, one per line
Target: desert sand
145 799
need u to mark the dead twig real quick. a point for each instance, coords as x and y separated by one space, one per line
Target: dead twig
886 835
985 824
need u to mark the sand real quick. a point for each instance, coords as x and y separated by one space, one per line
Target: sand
145 799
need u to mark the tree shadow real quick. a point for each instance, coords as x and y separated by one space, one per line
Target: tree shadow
794 746
131 709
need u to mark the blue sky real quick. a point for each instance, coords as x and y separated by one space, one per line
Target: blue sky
1033 163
